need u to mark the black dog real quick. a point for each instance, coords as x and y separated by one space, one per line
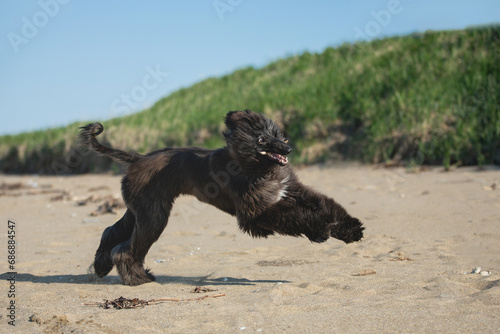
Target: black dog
250 178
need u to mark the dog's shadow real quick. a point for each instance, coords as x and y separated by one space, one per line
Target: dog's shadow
111 279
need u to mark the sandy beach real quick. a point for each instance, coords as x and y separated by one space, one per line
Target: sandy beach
425 233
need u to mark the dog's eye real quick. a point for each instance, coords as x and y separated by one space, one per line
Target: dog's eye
260 140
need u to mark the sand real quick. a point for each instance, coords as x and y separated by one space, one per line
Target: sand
425 232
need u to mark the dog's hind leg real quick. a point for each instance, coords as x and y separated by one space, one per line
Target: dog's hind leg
129 255
112 236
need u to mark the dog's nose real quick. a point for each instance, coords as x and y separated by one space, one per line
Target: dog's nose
288 149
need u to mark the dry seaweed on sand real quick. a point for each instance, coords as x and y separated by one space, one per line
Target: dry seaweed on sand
109 206
199 289
121 303
127 303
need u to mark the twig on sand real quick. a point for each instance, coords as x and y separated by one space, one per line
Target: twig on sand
126 303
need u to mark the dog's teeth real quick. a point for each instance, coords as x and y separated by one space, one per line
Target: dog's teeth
278 157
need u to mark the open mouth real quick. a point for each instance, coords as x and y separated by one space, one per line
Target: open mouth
282 160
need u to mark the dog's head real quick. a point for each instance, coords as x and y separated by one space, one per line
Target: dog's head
253 139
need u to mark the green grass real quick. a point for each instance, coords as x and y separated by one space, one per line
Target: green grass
431 98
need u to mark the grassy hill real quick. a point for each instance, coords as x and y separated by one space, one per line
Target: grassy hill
431 98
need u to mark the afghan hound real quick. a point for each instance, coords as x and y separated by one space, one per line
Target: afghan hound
250 178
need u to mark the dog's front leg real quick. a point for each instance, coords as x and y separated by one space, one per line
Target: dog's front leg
327 218
282 217
318 218
347 228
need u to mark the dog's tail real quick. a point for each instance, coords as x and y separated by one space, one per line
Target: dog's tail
88 139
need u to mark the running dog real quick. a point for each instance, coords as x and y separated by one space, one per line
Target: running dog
250 178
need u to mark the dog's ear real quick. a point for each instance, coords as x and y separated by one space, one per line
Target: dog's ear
233 117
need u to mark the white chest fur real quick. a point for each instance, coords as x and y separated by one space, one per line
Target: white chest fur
282 190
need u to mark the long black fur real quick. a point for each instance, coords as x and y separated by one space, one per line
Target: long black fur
250 178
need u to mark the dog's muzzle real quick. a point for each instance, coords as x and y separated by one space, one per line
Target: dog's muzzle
280 149
281 159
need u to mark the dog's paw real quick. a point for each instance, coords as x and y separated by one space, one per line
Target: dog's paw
137 277
102 264
351 230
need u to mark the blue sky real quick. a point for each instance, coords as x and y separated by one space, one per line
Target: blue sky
63 61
